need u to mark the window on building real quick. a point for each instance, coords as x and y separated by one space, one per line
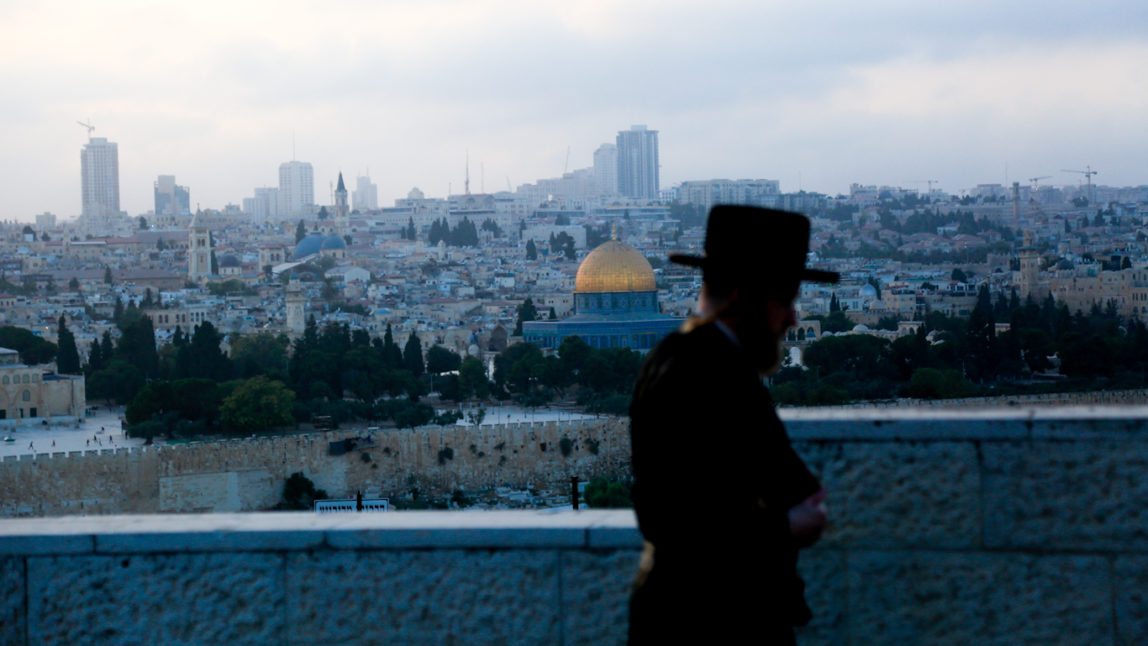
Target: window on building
27 395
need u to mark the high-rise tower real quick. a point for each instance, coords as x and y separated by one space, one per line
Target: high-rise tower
638 163
606 169
365 197
296 188
170 198
100 178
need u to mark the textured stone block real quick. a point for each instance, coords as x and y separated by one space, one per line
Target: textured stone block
1131 573
424 597
943 598
13 620
596 595
826 592
1066 495
156 599
893 494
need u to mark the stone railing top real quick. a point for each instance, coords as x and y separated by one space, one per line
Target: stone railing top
1001 423
290 531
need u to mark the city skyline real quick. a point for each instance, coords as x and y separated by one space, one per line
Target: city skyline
882 94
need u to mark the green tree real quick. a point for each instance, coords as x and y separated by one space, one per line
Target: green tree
299 493
409 414
413 355
257 404
142 223
980 338
204 357
300 232
68 357
392 355
519 368
526 312
440 360
930 383
605 493
472 379
531 250
33 350
261 354
108 275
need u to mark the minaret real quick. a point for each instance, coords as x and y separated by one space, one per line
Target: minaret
198 250
296 305
342 212
1029 267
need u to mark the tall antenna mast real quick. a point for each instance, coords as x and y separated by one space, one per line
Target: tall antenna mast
467 185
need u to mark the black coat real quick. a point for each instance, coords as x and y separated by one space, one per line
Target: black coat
714 478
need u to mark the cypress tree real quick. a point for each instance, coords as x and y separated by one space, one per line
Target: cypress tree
413 355
67 358
392 355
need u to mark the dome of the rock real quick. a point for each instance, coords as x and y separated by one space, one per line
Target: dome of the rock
612 267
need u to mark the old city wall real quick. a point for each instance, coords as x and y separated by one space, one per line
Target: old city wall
248 474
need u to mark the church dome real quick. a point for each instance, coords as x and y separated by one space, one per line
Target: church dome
229 260
614 266
308 246
314 242
334 242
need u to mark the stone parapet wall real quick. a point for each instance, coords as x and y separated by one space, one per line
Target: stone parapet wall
1086 398
301 578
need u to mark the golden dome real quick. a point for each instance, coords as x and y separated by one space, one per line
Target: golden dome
614 266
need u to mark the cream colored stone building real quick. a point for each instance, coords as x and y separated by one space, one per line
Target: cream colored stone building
33 391
1079 288
187 317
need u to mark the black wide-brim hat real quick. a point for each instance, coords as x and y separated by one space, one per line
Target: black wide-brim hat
753 246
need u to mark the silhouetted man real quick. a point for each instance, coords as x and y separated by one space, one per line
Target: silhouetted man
722 500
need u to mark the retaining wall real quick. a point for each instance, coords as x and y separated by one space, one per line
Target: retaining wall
248 474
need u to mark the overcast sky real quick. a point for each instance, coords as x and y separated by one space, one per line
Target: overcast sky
814 94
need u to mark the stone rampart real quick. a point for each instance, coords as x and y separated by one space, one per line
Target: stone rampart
248 474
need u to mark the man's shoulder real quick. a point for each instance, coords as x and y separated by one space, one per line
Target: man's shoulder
687 355
697 344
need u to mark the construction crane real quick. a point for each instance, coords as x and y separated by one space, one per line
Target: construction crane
89 126
1088 173
1034 180
930 182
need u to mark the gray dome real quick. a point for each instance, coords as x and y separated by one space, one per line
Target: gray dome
309 245
229 261
334 242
